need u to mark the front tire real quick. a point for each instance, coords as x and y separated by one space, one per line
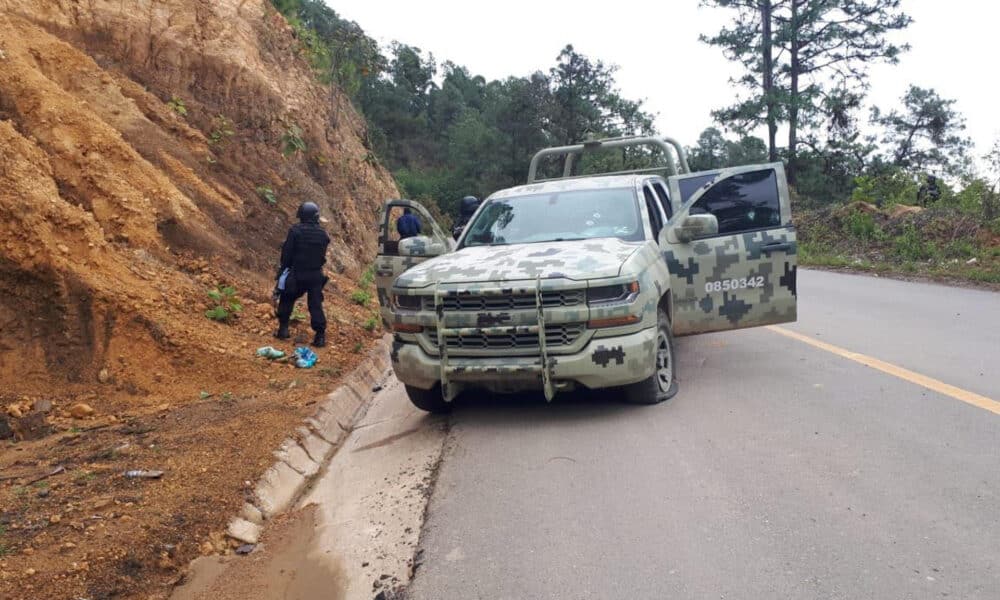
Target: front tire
429 400
662 384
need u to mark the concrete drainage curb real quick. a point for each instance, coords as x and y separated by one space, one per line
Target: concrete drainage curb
300 457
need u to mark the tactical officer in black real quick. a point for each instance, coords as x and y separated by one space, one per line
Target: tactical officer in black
929 192
466 208
304 253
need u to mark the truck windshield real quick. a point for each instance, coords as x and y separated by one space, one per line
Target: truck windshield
557 216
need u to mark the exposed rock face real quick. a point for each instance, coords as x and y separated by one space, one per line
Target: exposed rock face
134 137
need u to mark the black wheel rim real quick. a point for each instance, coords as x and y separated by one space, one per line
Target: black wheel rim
664 362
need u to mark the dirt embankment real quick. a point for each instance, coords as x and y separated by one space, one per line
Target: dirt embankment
140 144
940 243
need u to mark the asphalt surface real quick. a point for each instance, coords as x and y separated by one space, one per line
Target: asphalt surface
781 470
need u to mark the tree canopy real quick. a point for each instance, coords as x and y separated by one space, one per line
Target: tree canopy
446 132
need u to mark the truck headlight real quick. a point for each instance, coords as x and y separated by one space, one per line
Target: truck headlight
621 293
405 302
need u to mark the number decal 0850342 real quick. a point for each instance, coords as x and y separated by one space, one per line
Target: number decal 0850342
724 285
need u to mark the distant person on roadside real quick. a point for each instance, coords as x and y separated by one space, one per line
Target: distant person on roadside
408 225
466 209
929 192
301 272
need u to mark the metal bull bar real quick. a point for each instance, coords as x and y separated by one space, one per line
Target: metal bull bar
666 144
543 366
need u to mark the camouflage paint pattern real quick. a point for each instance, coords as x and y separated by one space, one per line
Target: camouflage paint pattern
672 276
581 260
768 256
509 374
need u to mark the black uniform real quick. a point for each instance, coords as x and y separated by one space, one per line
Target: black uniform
304 251
466 208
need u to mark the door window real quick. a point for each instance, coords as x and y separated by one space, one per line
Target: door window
408 224
689 185
743 202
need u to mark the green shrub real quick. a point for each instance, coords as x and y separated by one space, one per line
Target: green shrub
371 324
367 277
177 105
267 194
291 141
226 304
361 297
893 186
910 246
861 225
298 314
222 130
961 248
316 52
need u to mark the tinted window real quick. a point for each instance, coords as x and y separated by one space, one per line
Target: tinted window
742 202
690 185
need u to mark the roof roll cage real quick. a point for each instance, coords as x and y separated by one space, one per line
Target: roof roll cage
666 144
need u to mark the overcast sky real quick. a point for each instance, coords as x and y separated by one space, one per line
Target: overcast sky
955 50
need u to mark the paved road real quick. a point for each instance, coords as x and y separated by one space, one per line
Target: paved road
781 470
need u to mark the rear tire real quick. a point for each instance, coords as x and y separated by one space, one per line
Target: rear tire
429 400
662 384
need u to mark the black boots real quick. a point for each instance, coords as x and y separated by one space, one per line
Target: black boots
320 340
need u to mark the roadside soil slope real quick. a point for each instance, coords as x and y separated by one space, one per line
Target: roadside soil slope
140 144
940 243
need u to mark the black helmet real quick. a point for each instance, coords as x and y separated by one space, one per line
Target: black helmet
308 212
468 206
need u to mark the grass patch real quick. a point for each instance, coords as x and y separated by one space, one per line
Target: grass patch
82 477
267 194
367 278
361 297
292 142
862 226
911 246
222 130
177 105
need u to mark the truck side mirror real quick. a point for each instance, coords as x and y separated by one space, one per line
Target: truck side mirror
697 226
421 245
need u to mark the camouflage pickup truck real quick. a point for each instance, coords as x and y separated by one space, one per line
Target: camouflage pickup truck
586 280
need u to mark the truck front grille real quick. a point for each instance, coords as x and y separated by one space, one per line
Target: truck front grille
474 302
555 335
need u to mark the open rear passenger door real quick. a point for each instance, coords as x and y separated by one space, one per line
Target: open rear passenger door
731 250
396 256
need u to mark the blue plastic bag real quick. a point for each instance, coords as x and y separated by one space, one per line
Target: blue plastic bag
306 357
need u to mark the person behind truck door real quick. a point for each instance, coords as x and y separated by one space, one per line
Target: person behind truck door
301 272
408 225
466 208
